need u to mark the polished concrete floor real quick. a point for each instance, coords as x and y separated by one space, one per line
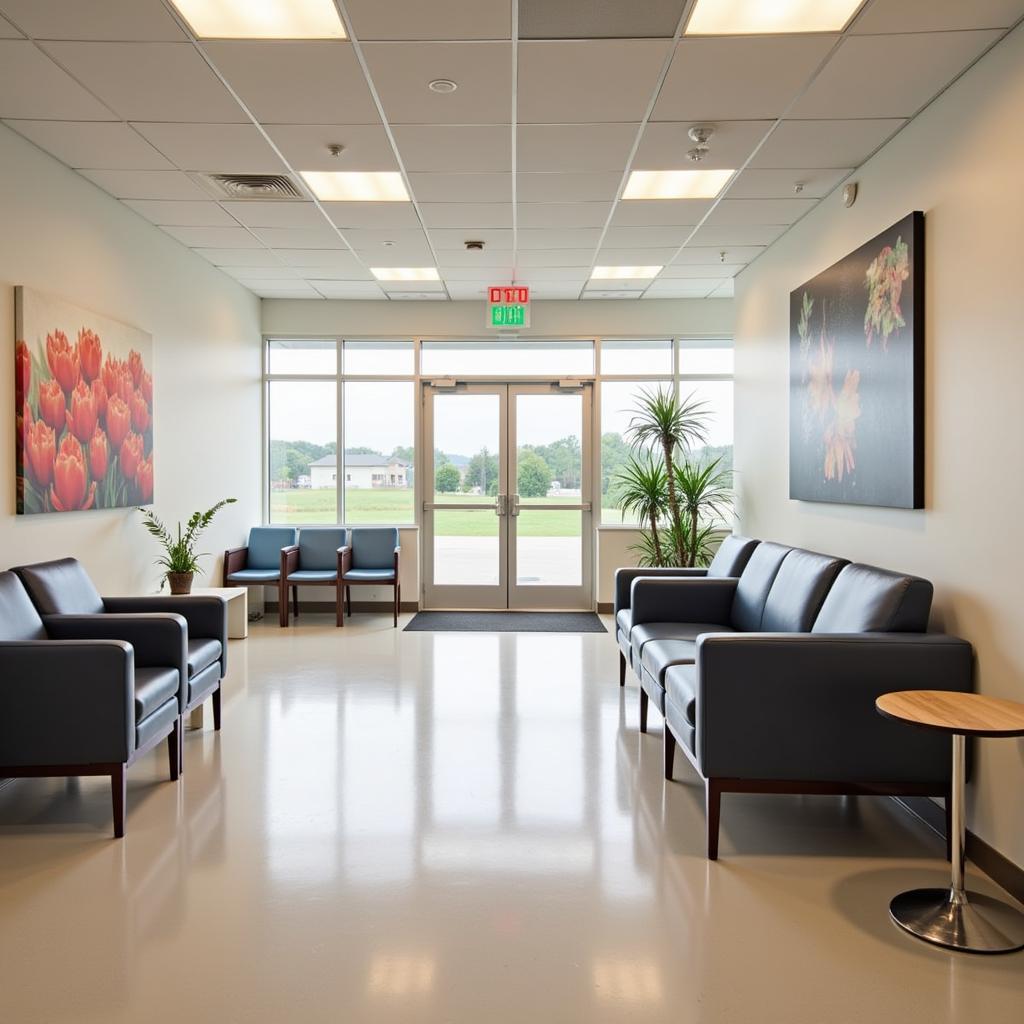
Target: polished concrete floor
461 828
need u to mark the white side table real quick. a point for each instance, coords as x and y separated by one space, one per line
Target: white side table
238 607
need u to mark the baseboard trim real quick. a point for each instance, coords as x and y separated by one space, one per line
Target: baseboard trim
605 607
357 606
996 865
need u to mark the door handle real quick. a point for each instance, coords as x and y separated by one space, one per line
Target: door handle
515 504
501 505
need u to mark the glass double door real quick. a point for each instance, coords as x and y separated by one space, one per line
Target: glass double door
507 485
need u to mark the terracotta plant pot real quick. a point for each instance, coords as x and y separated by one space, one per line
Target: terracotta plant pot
180 582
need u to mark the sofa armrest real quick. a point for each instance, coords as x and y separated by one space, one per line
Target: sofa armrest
66 702
235 559
660 599
802 706
624 581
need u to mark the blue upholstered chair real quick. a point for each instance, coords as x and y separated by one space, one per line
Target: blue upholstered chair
259 562
371 560
314 562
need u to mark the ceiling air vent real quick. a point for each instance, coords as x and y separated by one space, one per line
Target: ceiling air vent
251 186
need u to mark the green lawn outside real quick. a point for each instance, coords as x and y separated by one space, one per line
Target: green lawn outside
395 507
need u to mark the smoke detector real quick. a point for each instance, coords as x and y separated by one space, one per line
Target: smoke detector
701 134
442 85
249 186
474 245
335 149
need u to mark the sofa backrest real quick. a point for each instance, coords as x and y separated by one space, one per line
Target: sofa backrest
60 587
265 543
865 599
19 619
374 547
318 547
732 556
800 587
755 582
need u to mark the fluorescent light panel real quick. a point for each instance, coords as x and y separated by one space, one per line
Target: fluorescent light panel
767 17
676 184
357 186
624 273
262 19
405 273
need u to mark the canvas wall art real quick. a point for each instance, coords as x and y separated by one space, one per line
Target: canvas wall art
84 416
857 375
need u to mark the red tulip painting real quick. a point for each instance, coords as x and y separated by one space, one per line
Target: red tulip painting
84 408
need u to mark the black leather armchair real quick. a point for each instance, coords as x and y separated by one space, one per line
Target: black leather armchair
63 592
86 706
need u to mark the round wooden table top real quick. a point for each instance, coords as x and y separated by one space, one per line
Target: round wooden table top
971 714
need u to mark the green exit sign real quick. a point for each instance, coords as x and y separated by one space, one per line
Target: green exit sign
508 306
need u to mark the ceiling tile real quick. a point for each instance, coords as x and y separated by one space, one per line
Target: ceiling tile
739 254
32 86
681 289
94 144
851 86
146 20
558 238
346 289
700 271
214 238
564 292
149 81
534 187
283 281
8 31
298 290
605 293
461 188
184 213
304 146
479 262
467 215
351 272
296 82
274 273
482 71
936 15
563 215
659 212
463 292
642 257
372 215
455 238
483 275
454 148
402 254
323 236
239 257
340 258
642 237
598 19
780 184
530 258
750 234
665 143
370 238
760 211
620 285
146 184
256 213
564 274
440 19
215 148
574 147
824 143
726 290
591 80
764 73
412 286
418 296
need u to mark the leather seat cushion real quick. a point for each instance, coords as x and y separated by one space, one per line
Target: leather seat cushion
624 620
313 576
658 655
153 688
369 574
681 690
255 576
202 653
648 631
203 683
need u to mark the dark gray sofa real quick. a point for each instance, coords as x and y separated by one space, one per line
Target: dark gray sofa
768 681
86 705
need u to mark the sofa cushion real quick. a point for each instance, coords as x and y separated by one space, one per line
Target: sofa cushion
153 688
61 587
202 652
374 547
755 582
19 619
254 576
864 599
641 635
265 543
318 548
624 621
658 655
681 690
800 586
732 556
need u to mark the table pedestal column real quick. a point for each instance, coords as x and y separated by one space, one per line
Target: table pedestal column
954 917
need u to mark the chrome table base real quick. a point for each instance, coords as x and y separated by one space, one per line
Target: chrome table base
961 920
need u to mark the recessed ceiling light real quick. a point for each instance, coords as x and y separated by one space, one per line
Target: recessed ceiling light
357 186
676 184
442 85
405 273
620 273
766 17
262 19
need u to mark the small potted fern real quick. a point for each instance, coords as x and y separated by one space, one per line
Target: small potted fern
180 560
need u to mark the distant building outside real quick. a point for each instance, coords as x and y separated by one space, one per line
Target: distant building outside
361 471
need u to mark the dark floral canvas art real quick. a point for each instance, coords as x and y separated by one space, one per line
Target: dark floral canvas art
84 408
856 375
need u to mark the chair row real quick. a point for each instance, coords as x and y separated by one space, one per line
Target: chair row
766 667
284 556
88 683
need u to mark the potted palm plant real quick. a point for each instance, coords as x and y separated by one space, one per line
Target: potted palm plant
180 560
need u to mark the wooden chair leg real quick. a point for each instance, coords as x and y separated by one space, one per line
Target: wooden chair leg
339 605
117 795
713 809
643 709
670 752
622 669
282 603
348 601
396 605
295 600
174 750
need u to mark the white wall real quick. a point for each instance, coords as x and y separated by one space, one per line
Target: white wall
63 235
961 163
